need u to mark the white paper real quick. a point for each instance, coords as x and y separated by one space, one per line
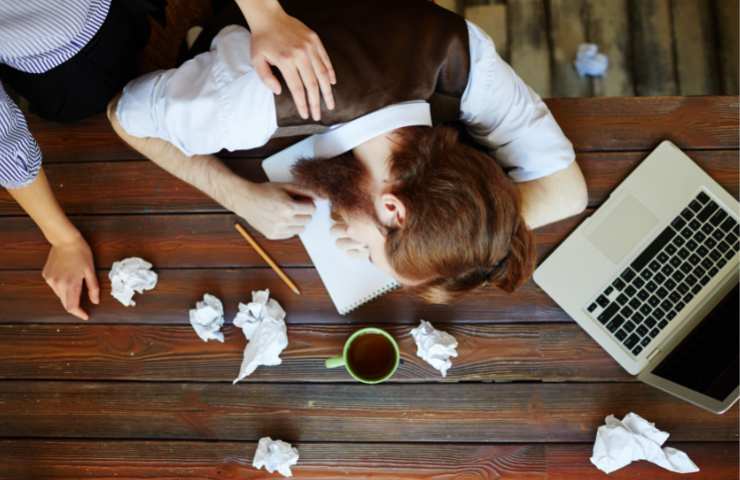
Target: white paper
263 323
129 276
275 456
621 442
589 62
434 346
207 318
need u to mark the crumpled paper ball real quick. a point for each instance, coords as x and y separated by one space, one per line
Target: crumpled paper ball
275 456
434 346
589 62
263 323
128 276
621 442
207 318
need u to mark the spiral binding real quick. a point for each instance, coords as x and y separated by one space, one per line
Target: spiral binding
377 293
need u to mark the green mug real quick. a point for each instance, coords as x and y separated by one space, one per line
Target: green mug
370 355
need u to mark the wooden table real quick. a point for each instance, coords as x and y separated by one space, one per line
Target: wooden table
134 393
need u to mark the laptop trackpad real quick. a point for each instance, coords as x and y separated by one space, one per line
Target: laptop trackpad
622 229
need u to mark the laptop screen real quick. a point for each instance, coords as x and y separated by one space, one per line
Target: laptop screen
708 359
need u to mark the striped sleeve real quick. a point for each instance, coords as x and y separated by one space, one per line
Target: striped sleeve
20 156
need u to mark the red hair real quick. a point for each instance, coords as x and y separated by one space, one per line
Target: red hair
463 228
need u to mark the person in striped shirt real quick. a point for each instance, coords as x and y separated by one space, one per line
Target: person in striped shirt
68 58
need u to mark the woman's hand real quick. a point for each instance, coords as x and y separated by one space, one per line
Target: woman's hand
69 265
277 210
347 244
285 42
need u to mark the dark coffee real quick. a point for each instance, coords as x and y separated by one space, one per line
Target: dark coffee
371 356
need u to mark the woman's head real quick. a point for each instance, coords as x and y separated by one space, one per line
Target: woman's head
445 220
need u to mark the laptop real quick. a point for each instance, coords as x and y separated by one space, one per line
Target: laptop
652 276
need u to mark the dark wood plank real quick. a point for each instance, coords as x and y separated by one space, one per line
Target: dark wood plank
632 123
68 460
182 241
25 298
696 47
529 48
717 461
727 13
470 412
174 353
142 187
608 27
652 47
692 123
567 32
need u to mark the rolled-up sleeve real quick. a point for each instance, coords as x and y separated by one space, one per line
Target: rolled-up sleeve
504 114
20 156
214 101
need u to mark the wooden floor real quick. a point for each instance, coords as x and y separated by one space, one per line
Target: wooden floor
135 394
655 47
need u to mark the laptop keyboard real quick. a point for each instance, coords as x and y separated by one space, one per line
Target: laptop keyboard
642 300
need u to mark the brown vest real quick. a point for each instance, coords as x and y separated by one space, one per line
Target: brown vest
383 52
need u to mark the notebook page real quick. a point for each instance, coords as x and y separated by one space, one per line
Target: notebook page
349 281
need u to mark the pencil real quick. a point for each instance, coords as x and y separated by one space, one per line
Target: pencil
267 259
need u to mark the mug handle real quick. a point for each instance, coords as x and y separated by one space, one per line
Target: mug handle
334 362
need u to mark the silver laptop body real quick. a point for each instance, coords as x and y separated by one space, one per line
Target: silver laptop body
655 270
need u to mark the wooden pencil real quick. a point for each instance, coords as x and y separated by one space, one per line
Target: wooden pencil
267 259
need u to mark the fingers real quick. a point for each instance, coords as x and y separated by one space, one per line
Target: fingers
299 190
93 288
339 230
324 57
324 77
301 220
71 300
262 67
295 85
308 76
353 248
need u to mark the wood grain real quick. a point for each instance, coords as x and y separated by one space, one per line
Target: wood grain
529 49
631 123
567 33
142 187
447 413
610 124
652 47
492 19
727 13
696 47
608 27
536 352
25 298
74 460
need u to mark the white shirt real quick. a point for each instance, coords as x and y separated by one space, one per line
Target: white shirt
217 101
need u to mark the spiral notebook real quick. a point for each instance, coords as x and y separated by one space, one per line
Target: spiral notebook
350 282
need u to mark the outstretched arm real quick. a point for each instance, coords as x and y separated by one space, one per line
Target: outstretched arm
554 197
70 261
269 207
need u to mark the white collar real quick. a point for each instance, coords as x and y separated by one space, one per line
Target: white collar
344 137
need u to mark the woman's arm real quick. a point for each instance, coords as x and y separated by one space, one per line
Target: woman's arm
70 261
286 43
553 198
